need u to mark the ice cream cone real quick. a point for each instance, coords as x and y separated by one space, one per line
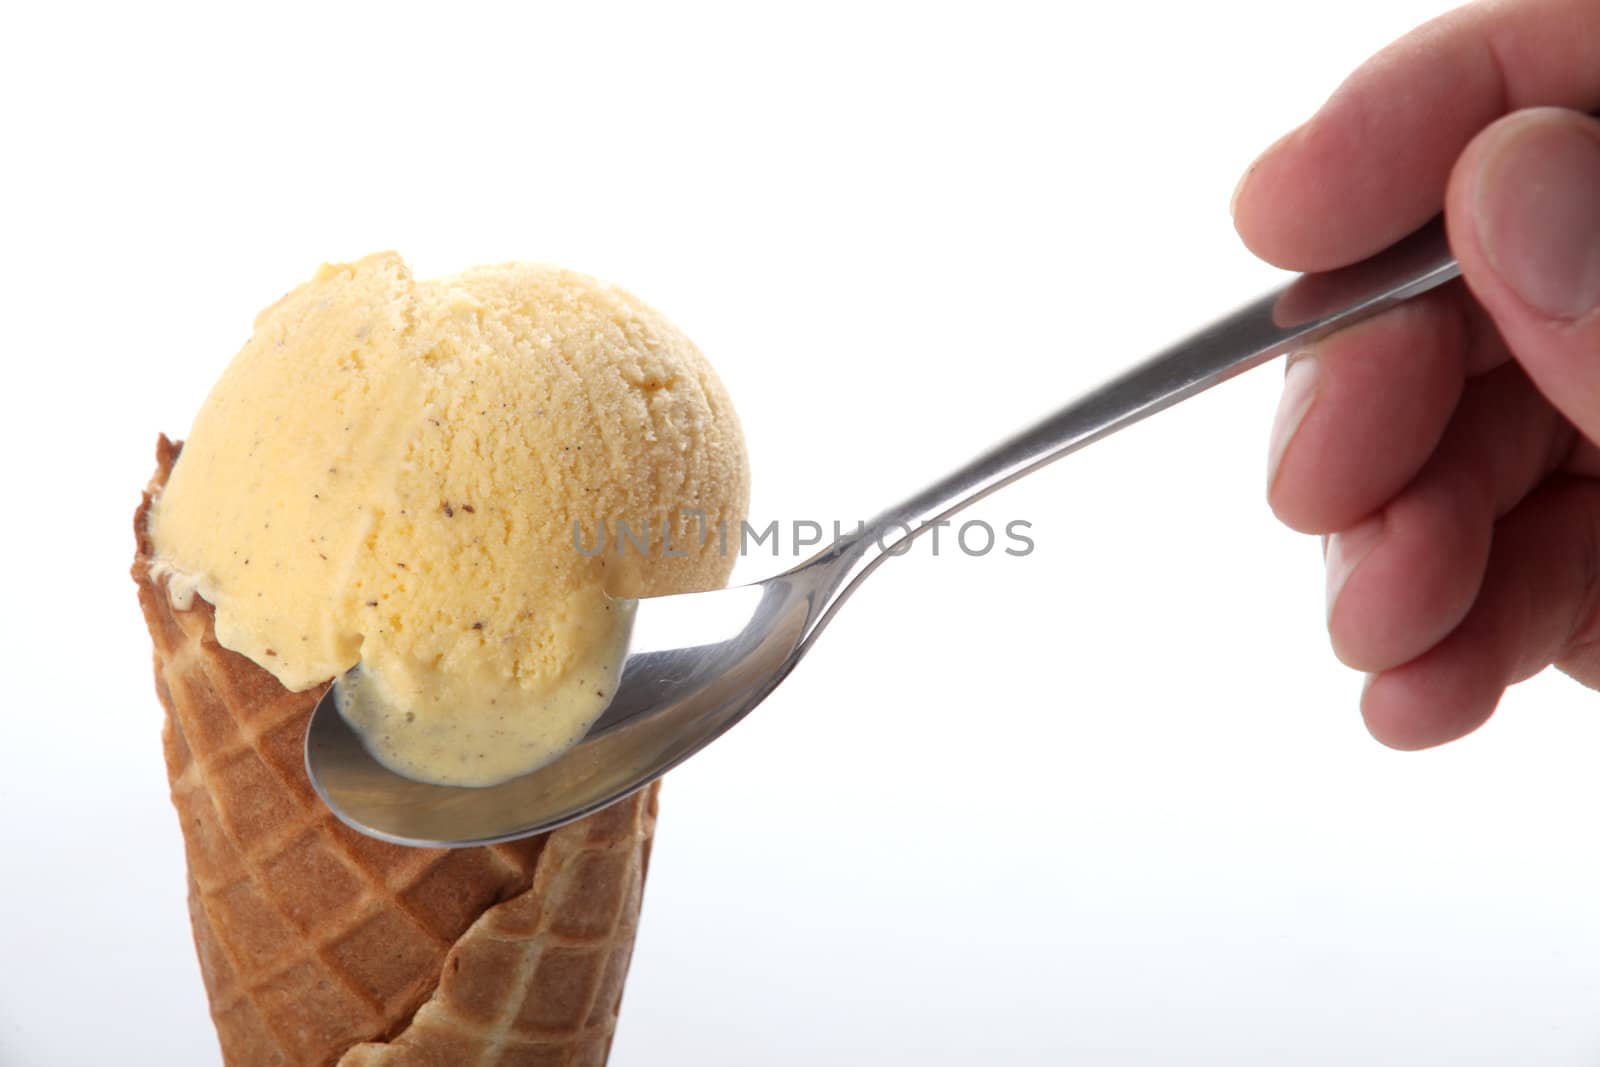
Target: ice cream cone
321 946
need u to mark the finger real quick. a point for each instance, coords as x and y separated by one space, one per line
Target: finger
1541 588
1372 163
1362 410
1399 582
1584 459
1524 220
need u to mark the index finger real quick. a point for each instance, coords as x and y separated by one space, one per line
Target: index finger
1371 165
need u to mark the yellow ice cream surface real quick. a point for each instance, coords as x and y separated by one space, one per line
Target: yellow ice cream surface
390 471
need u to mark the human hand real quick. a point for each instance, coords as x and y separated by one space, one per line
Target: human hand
1445 449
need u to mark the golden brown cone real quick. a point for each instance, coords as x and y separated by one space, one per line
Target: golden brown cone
322 946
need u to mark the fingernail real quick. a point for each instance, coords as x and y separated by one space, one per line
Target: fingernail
1249 172
1346 550
1233 201
1537 208
1299 389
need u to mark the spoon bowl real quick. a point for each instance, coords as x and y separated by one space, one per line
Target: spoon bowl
696 664
699 662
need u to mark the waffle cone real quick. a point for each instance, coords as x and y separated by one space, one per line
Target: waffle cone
319 945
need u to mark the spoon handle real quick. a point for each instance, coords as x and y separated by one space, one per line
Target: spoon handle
1310 307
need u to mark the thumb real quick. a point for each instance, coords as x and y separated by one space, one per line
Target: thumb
1523 211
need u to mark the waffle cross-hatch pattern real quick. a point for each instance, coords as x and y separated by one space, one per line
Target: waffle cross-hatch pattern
320 945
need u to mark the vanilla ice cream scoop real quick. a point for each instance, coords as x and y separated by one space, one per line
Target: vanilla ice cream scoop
415 476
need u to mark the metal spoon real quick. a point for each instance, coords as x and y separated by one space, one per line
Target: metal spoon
697 663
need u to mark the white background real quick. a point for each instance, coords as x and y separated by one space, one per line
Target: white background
1108 804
